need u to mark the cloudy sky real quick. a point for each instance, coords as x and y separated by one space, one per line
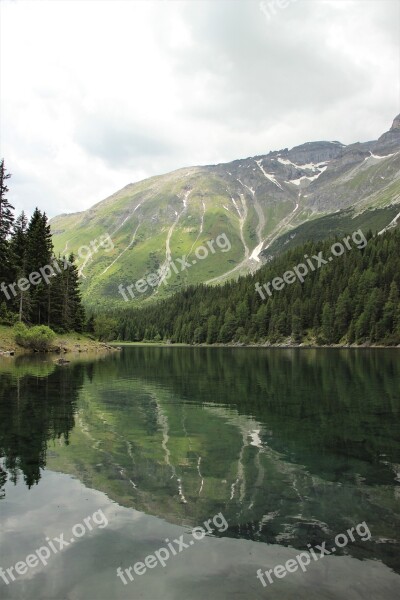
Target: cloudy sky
96 95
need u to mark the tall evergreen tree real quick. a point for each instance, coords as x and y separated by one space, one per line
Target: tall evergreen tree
54 299
74 298
66 309
18 246
39 253
19 241
6 222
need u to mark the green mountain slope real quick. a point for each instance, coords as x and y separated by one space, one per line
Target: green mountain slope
254 202
317 292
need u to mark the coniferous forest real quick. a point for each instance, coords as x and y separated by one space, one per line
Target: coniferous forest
25 248
354 299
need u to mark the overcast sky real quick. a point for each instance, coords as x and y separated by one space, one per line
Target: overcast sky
96 95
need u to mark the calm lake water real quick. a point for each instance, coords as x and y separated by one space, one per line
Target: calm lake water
293 447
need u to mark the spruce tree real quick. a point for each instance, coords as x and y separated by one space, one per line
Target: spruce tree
57 295
18 245
6 222
39 253
74 298
390 308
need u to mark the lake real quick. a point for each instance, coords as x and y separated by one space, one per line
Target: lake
275 453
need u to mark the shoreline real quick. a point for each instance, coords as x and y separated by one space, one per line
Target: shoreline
302 346
67 343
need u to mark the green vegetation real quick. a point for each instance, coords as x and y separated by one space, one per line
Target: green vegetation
335 224
353 299
177 212
39 338
36 287
139 220
105 328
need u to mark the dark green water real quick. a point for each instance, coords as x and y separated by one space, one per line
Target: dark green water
292 446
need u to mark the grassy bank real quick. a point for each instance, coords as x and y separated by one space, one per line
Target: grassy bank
68 342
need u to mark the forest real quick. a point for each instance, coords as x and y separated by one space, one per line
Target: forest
36 287
354 299
351 300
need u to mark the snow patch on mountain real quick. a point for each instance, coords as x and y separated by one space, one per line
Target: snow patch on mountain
269 176
309 166
309 178
236 206
391 224
371 155
256 252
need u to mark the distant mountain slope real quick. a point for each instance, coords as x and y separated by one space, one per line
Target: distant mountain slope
346 300
254 201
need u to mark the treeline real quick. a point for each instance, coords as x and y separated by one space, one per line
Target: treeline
36 287
353 299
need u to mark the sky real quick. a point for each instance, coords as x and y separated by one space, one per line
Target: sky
98 94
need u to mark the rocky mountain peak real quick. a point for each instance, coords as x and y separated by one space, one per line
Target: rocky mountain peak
389 141
396 124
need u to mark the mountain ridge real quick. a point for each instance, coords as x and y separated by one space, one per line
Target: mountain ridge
254 201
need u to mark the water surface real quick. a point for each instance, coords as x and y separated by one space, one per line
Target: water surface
292 446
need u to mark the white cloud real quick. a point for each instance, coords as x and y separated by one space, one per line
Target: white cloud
95 95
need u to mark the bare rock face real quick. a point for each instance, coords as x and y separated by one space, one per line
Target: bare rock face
315 152
389 141
396 124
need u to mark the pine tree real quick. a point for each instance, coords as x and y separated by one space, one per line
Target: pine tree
74 298
297 322
57 298
18 242
389 310
18 246
261 321
39 253
212 330
342 314
327 323
39 242
229 327
89 327
6 222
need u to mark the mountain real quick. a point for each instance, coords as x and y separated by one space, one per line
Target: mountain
262 204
